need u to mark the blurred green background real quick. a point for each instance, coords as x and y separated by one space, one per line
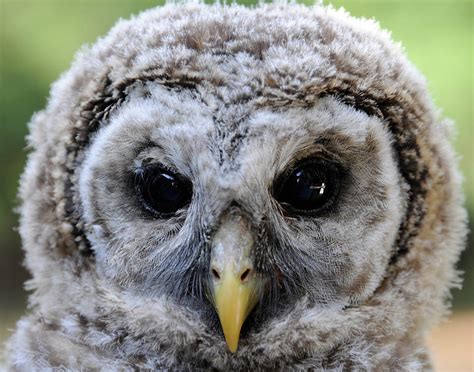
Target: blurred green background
38 39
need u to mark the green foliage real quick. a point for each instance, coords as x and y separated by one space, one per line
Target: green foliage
38 39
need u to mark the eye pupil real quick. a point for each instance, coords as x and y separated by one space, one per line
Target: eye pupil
162 192
309 187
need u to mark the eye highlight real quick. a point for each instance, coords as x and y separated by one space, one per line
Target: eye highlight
161 191
309 187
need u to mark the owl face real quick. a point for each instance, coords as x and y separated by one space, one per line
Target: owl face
275 178
309 187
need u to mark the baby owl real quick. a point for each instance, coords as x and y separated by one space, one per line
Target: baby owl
229 188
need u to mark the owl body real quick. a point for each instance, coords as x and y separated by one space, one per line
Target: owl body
194 133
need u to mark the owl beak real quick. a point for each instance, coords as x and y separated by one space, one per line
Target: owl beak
235 286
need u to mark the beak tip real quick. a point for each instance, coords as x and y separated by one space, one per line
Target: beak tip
233 345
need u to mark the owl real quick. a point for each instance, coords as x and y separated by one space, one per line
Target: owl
228 188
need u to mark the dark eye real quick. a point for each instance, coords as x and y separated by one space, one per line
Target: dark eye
161 191
308 188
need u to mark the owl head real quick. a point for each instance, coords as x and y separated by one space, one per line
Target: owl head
226 187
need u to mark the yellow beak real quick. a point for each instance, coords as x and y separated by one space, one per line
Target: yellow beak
234 299
235 286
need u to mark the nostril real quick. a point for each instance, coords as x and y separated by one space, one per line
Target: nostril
215 274
245 275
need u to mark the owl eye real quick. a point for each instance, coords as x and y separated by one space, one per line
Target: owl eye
161 191
308 188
